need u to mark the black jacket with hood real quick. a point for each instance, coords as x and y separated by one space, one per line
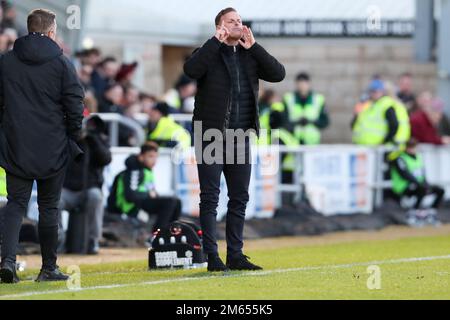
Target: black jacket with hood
41 109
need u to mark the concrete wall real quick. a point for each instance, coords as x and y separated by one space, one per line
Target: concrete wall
341 69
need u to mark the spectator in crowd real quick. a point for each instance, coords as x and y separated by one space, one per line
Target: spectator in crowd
126 73
408 180
382 121
182 96
82 189
84 72
112 99
444 126
164 130
425 121
131 102
5 44
90 57
268 97
103 75
11 35
147 102
9 19
90 103
405 91
273 124
134 190
306 111
111 103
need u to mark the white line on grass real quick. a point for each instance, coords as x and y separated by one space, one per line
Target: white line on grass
245 274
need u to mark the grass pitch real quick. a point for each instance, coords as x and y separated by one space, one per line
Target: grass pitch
410 267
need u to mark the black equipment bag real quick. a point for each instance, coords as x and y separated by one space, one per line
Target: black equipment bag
77 240
177 246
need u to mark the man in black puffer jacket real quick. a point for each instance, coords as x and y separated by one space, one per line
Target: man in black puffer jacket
41 103
228 68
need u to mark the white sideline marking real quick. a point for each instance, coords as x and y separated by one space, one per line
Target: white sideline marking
246 274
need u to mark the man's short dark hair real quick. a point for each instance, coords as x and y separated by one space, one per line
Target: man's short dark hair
303 76
149 147
222 13
41 21
107 60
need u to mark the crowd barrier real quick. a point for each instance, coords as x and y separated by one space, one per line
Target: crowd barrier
338 179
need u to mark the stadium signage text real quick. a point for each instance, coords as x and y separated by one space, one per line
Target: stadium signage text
331 28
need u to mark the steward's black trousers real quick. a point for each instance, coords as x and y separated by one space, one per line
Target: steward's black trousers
237 171
420 192
167 209
19 193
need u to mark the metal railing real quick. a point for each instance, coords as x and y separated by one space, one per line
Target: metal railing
136 124
114 120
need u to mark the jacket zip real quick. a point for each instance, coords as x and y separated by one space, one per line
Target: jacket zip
238 85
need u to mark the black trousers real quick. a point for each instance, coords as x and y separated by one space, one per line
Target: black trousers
167 210
237 172
421 192
19 193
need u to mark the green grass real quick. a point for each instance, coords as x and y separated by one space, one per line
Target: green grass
399 280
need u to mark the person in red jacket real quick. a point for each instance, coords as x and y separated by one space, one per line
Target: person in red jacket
425 121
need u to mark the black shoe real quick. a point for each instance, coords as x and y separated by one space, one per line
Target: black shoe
240 262
8 274
215 264
51 275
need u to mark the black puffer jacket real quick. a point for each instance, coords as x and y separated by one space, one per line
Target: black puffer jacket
41 108
213 101
86 174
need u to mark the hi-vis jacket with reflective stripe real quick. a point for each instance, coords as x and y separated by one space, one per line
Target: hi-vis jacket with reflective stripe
371 127
310 133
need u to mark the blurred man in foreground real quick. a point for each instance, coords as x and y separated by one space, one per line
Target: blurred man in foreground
41 101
